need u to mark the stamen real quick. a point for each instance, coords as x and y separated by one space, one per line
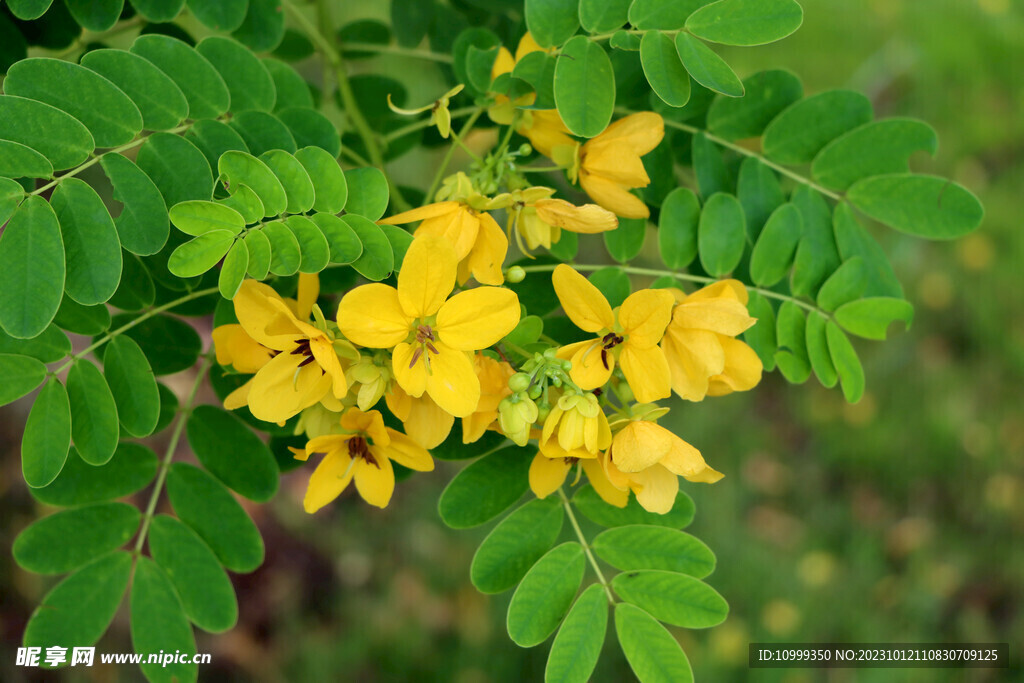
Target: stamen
431 347
416 357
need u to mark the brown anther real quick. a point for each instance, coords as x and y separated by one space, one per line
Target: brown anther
571 461
306 361
597 392
415 357
604 358
425 333
358 448
430 346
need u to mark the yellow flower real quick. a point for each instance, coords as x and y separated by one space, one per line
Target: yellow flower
548 474
631 335
609 165
493 376
317 420
364 453
539 219
699 343
576 427
648 459
429 333
422 419
516 417
368 379
480 245
305 368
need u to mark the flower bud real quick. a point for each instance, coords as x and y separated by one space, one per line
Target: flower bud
515 274
519 382
516 417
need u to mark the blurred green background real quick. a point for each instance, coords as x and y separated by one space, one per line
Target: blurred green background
900 518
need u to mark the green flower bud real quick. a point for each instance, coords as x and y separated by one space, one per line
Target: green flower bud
519 382
515 274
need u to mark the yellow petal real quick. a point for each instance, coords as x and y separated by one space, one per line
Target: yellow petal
546 132
613 197
655 489
372 316
329 479
398 402
427 276
371 423
617 163
706 476
547 474
488 253
408 453
451 382
589 369
645 314
742 370
309 291
503 63
599 480
255 311
682 458
422 213
475 426
239 397
582 301
460 227
426 422
693 356
647 371
724 316
723 289
375 482
325 444
281 388
410 375
236 348
478 318
642 131
640 445
587 219
526 45
323 351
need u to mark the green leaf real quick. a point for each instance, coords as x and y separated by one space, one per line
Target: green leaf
263 132
219 15
44 446
207 93
310 128
601 16
291 89
872 149
567 246
625 242
596 510
922 205
110 116
577 646
746 22
11 196
635 547
846 362
49 346
677 228
676 599
377 260
69 539
313 246
545 595
552 22
233 270
773 253
345 246
664 15
200 254
244 201
584 87
663 69
721 235
538 69
177 167
767 94
844 285
797 134
158 11
817 351
209 509
653 654
759 192
482 39
791 356
168 407
298 186
263 26
29 9
131 469
515 545
248 81
285 256
367 192
613 283
31 269
200 217
485 488
58 136
79 609
92 251
170 344
400 240
132 385
761 337
816 255
160 101
232 453
258 247
159 623
706 67
870 318
329 184
528 331
853 240
206 592
214 138
623 40
20 161
94 425
712 175
142 226
95 15
21 374
239 168
411 19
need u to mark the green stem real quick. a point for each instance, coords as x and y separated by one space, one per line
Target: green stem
426 123
79 43
436 182
399 51
184 410
355 157
653 272
586 546
127 326
95 159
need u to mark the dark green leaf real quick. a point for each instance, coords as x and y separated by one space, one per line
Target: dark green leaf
870 318
377 260
846 362
44 447
584 87
677 228
515 545
177 167
410 20
94 426
629 548
478 37
136 290
746 22
367 192
232 453
845 284
263 26
219 15
214 138
791 356
538 69
774 250
400 240
664 15
817 351
292 91
313 247
92 251
59 137
345 246
21 374
159 623
131 469
872 149
29 9
69 539
95 15
721 235
239 168
653 654
761 337
922 205
485 488
676 599
258 247
706 67
545 595
160 101
49 346
19 161
759 192
816 255
596 510
249 83
284 248
329 184
712 175
767 94
170 344
158 11
207 93
31 269
142 226
298 187
311 128
613 283
263 132
168 407
797 134
577 646
625 242
664 71
600 16
552 22
853 240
